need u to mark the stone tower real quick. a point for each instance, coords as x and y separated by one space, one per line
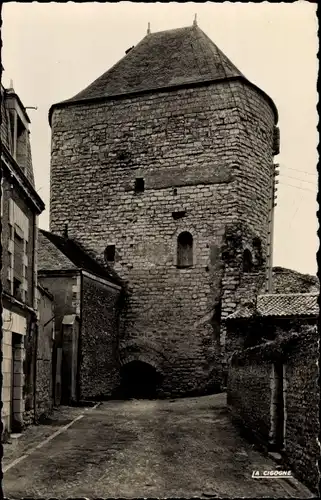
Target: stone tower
164 165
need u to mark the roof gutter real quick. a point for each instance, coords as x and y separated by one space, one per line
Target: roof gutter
287 317
16 172
91 100
100 279
12 95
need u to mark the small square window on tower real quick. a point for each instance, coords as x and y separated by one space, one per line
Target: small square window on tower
139 185
178 215
110 253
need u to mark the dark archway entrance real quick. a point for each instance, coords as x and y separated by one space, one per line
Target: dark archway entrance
139 380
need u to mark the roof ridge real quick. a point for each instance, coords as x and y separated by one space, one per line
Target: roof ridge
173 29
45 245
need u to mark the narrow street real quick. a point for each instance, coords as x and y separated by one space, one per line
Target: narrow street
130 449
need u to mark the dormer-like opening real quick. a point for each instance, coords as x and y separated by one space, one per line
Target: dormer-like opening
19 128
21 144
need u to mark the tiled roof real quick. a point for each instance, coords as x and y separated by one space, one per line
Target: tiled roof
61 254
294 304
50 258
163 59
278 305
289 281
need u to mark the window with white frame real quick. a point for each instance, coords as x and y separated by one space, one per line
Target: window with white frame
17 250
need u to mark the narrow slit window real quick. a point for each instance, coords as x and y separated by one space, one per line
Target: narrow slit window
139 185
185 250
110 253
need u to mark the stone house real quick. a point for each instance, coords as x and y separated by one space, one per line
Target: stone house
87 297
44 348
164 166
273 388
20 208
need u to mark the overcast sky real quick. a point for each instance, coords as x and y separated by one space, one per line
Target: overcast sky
52 51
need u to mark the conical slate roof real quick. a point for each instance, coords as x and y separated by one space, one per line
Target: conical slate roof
171 58
163 59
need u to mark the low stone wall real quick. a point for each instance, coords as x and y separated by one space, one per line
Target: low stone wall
44 402
302 408
99 364
43 396
248 392
250 396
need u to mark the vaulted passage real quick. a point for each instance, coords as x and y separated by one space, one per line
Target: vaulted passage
139 380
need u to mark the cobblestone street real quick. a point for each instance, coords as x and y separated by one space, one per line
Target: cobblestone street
178 448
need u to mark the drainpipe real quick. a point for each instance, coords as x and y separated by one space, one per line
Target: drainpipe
35 306
35 370
79 347
272 205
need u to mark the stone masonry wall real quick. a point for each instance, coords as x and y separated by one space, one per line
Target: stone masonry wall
99 363
249 395
11 191
204 151
16 195
302 407
44 402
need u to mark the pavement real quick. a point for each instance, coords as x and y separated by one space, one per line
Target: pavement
132 449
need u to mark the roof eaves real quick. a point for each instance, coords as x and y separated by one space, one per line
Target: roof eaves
12 95
59 243
52 272
290 316
22 179
167 88
111 280
45 291
262 315
293 294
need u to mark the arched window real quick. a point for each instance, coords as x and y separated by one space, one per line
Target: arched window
185 250
247 261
